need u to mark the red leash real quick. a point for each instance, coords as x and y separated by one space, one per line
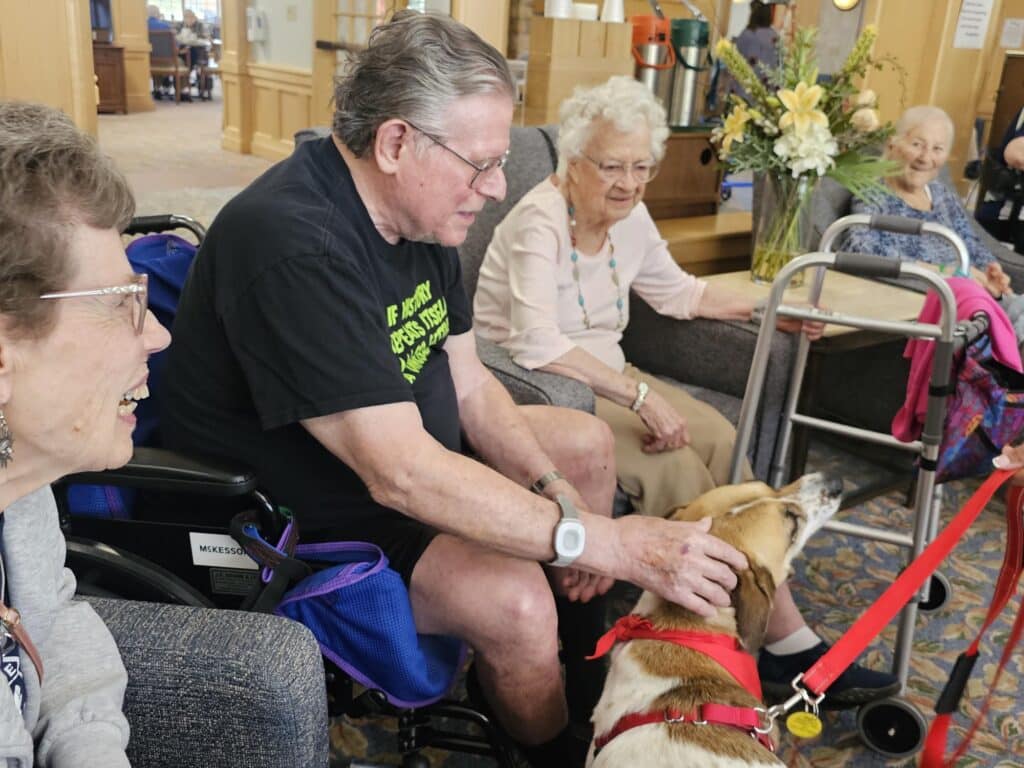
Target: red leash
841 655
949 700
824 672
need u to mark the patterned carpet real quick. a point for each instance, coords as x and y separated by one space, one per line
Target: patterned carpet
835 581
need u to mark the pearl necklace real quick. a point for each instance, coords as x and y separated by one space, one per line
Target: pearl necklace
612 265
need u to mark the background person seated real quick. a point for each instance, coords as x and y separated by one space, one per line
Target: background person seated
1000 212
75 336
921 144
554 290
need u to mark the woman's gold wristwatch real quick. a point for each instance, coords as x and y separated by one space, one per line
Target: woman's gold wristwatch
641 394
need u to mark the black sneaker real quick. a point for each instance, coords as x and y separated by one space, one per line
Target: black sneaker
857 685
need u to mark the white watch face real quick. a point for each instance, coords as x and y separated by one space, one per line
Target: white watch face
570 539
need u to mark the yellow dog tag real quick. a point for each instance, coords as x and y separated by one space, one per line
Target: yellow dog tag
803 725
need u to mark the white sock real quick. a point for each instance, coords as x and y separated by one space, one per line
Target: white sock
795 642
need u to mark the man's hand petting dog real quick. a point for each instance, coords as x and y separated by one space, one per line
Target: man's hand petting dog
667 427
680 561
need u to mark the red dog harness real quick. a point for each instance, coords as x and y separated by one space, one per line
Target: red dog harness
724 649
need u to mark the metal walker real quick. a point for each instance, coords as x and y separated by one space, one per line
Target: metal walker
894 726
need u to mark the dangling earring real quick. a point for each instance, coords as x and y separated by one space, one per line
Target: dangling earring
6 442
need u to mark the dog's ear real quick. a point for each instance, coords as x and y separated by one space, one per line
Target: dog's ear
752 599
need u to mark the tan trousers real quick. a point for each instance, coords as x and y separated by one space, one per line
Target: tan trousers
657 482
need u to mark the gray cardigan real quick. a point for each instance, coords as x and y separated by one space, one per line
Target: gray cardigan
75 721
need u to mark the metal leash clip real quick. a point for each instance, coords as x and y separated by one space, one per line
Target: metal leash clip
805 723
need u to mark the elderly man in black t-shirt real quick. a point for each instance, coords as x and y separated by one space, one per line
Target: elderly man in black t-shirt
324 337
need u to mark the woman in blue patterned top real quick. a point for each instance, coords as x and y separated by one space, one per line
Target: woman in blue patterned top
921 143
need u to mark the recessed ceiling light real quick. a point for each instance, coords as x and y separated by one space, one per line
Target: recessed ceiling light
845 5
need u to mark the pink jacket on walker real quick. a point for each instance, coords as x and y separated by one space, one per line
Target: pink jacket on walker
970 299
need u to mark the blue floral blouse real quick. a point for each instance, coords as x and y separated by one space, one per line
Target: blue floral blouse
946 210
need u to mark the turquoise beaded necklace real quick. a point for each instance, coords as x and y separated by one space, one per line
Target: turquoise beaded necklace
612 265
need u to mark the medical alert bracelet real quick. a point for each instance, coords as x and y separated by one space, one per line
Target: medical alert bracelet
545 480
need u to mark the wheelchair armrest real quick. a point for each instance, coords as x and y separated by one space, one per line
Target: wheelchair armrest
534 387
159 469
254 687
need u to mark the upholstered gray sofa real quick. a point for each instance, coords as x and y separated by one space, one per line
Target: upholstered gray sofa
219 688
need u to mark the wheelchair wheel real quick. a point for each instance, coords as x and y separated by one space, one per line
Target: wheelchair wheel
938 593
104 571
892 727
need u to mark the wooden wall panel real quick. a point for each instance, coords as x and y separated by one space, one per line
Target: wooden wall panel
62 78
281 99
132 33
234 66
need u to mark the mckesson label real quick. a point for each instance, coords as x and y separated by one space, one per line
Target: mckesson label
219 550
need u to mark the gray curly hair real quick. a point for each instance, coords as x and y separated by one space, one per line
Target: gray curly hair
414 67
53 178
622 101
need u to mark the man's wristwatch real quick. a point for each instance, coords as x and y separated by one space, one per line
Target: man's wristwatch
641 394
570 535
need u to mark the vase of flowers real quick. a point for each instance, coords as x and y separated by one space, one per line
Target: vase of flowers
792 132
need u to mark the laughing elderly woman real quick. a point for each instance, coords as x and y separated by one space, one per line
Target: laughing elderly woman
73 350
921 145
554 290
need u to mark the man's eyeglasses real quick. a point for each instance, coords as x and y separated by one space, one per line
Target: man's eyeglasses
494 163
135 295
614 172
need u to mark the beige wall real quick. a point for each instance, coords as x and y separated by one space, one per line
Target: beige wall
63 77
994 57
936 73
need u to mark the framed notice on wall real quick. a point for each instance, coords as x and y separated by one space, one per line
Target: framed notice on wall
972 24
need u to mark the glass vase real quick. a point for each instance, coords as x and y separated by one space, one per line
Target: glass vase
783 229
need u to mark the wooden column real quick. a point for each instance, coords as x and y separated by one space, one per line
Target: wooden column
61 76
325 27
235 79
132 33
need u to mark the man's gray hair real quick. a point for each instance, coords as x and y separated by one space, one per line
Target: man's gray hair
622 101
924 113
414 67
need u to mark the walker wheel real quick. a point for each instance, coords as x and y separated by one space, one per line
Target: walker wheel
938 593
892 727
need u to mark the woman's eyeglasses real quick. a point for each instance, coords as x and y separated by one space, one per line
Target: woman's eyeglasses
492 164
135 295
614 172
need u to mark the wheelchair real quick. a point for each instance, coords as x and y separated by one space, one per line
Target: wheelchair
174 545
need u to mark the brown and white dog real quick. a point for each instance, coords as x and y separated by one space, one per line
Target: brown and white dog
653 682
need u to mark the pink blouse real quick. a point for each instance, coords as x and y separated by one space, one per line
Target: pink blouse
527 299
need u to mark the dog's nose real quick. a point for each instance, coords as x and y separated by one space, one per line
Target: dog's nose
833 485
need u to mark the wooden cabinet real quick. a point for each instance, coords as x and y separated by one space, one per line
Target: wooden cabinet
108 64
689 181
